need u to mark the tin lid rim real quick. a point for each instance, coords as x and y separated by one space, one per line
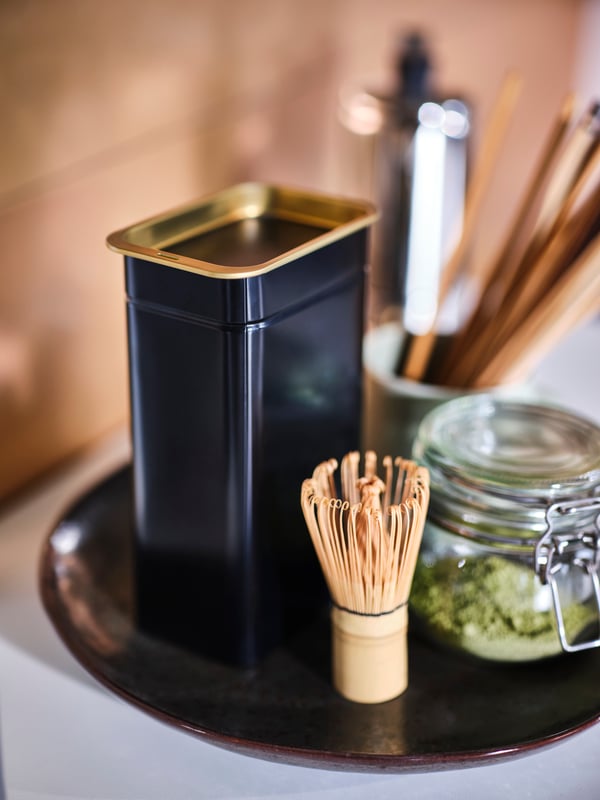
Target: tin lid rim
253 201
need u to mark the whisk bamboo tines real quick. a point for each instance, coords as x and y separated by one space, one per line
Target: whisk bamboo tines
367 542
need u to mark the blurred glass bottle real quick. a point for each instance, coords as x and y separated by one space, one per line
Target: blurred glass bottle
413 142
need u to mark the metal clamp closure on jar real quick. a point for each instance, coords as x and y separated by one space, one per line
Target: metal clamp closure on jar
580 549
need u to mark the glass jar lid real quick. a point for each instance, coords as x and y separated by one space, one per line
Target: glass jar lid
512 446
497 464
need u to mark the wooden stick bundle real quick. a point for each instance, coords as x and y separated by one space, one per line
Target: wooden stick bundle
537 271
421 347
498 274
572 300
531 288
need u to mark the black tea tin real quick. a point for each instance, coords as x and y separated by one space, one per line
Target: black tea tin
244 328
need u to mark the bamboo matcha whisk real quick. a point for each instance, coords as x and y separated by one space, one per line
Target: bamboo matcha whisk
367 542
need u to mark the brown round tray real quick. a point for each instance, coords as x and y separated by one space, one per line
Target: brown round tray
455 713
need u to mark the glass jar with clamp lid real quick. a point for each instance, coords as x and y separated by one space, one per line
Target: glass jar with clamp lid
508 569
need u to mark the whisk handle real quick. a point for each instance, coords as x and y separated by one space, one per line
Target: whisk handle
369 654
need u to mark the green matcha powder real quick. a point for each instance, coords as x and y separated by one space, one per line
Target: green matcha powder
486 607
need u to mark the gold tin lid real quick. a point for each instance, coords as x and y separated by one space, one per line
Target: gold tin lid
246 230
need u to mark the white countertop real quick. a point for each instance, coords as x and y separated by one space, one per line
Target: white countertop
64 736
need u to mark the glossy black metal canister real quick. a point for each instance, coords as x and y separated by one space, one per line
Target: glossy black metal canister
244 326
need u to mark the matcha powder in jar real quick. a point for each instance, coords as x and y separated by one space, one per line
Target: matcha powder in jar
508 568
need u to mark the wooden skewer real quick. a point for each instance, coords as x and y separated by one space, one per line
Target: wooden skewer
578 160
421 347
498 273
574 298
560 252
580 148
